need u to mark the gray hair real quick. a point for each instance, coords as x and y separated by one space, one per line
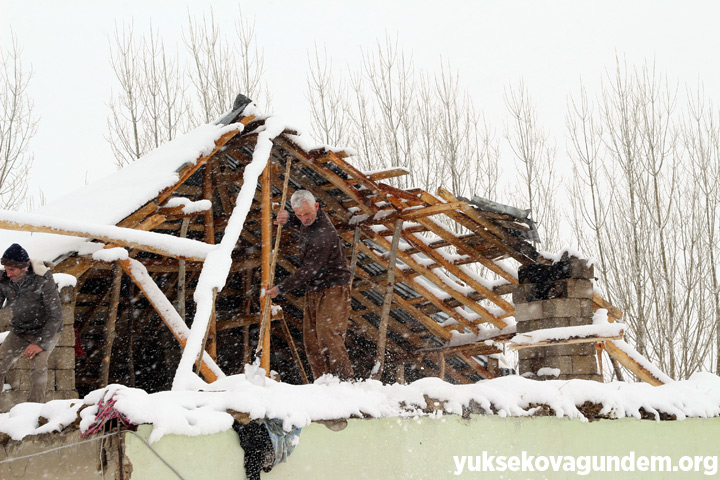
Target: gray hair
302 197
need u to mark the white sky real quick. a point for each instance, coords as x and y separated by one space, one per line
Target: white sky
491 42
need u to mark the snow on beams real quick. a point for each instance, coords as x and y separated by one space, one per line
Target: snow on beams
631 359
438 282
166 245
218 262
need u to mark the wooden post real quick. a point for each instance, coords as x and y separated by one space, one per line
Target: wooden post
293 350
181 271
247 355
387 301
353 259
207 195
211 333
400 375
207 333
268 274
110 327
442 366
131 354
266 236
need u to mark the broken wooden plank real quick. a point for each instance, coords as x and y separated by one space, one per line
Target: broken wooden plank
619 352
387 301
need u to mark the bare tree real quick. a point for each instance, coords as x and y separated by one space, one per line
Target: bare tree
536 168
328 102
701 137
220 68
126 105
164 101
644 202
17 127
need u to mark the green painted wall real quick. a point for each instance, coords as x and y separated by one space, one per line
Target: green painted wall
205 457
424 448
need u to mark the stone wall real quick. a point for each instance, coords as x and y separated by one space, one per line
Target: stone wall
61 364
552 296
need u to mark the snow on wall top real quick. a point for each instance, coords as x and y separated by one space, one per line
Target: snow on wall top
199 413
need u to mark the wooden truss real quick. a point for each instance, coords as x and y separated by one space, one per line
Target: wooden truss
421 261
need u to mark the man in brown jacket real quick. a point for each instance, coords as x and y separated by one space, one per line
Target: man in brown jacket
325 274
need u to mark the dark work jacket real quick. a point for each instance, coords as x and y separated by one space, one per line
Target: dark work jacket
323 263
35 305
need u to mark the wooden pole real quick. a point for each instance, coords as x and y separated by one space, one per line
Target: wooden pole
268 276
198 362
211 332
387 301
181 271
131 354
247 355
442 366
293 350
207 195
353 259
110 327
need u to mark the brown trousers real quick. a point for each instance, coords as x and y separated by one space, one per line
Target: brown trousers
12 349
324 326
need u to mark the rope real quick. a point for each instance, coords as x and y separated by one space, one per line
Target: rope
157 454
102 437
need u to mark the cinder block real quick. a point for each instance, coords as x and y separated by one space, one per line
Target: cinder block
65 379
571 288
595 377
572 349
20 380
529 325
531 365
523 294
579 288
580 268
62 358
567 307
12 398
531 353
67 295
68 315
67 337
529 311
553 322
577 321
61 395
584 364
563 363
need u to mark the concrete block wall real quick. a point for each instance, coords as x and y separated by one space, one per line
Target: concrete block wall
61 364
553 296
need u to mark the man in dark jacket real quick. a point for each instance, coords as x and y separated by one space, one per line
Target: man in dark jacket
29 290
325 274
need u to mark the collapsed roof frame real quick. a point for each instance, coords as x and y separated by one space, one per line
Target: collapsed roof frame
417 281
